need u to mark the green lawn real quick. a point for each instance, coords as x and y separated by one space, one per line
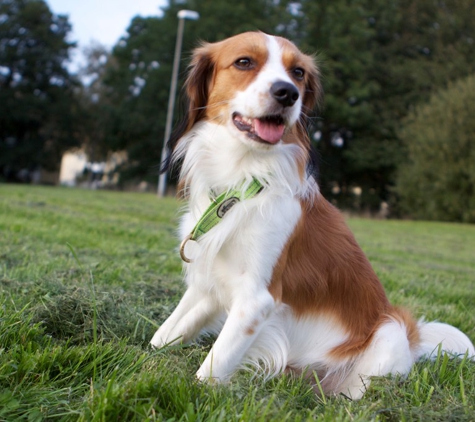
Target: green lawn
87 276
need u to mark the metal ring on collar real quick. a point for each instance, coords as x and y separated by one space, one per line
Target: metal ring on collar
182 249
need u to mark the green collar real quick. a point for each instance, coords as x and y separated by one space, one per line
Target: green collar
217 210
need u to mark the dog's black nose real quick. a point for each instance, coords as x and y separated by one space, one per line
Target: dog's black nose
285 93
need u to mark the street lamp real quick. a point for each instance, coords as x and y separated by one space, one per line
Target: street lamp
182 15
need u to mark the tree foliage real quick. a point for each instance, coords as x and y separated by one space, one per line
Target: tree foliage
437 180
378 60
36 95
95 108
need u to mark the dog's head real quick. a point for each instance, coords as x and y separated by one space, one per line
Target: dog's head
259 86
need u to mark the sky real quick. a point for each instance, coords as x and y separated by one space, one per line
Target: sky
104 21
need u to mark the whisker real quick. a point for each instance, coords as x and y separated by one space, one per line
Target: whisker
211 105
214 118
308 116
307 108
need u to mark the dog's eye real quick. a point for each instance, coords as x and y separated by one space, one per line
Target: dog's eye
243 63
298 73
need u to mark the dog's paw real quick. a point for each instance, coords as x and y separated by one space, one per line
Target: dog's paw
201 376
157 342
211 375
161 339
207 378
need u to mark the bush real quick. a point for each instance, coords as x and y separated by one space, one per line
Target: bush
437 180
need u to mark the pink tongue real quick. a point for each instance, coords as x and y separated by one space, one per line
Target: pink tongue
268 131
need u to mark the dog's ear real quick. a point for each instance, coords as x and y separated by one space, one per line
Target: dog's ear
313 96
311 100
196 89
312 103
197 85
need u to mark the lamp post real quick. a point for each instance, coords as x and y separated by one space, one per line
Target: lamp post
182 15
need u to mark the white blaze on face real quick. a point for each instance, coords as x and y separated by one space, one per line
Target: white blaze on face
256 101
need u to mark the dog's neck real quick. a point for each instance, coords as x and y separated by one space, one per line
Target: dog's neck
215 161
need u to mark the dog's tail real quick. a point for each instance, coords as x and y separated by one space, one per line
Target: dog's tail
450 339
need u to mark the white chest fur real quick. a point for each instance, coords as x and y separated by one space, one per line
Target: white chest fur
243 248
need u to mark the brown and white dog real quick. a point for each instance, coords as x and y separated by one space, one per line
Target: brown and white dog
280 278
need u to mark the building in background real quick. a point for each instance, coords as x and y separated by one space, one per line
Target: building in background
77 170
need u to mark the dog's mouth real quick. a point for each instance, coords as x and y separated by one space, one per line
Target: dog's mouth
267 129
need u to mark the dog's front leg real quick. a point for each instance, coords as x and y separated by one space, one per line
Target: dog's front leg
194 312
243 324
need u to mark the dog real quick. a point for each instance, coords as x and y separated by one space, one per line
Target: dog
270 265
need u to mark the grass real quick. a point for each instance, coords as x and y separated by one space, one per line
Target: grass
87 276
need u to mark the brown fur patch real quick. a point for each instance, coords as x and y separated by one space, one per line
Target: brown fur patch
252 329
322 270
311 89
413 334
213 79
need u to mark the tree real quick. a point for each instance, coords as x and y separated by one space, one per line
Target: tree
37 103
96 111
378 60
437 179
